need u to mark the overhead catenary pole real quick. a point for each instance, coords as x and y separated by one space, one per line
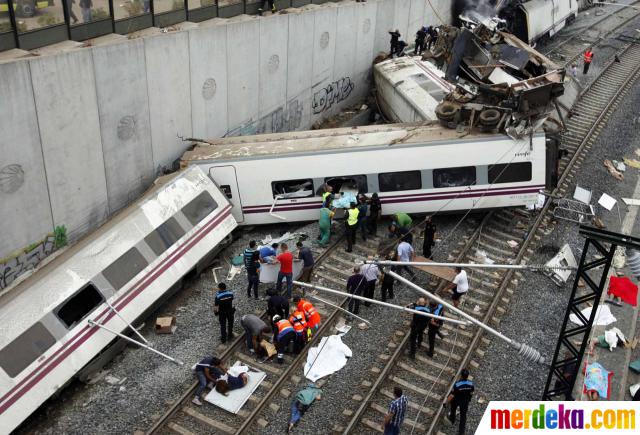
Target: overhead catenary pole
384 304
173 360
340 308
470 265
524 349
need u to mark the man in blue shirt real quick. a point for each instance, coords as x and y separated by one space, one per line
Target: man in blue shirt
397 408
207 371
434 325
223 308
460 397
252 264
268 253
418 325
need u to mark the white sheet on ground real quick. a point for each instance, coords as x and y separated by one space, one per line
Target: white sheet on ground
603 316
236 399
326 358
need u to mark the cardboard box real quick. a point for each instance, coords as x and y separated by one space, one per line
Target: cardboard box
164 325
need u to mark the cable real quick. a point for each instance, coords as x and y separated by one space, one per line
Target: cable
443 22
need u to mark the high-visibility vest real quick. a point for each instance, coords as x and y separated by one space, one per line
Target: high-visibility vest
588 56
313 317
298 321
325 199
353 216
283 326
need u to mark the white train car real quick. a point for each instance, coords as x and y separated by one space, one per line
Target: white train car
409 89
536 19
414 169
133 261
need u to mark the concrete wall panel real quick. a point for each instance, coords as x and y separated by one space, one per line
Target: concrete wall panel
401 20
273 66
300 69
242 73
208 57
24 211
345 57
121 85
384 23
324 43
167 58
365 39
416 19
65 95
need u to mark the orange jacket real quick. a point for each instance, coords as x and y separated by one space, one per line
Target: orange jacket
588 56
298 321
313 317
283 325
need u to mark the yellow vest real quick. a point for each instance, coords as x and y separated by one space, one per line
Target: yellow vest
353 216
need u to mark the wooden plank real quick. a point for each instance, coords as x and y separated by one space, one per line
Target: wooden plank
208 421
446 273
179 429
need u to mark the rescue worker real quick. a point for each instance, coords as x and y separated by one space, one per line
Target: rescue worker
207 371
328 197
252 264
277 304
371 274
286 269
429 236
351 225
459 287
299 323
434 325
324 223
460 397
270 4
375 211
356 285
402 220
268 253
305 254
421 35
223 308
406 253
588 58
418 325
386 288
362 216
283 335
395 37
254 329
433 37
310 312
400 46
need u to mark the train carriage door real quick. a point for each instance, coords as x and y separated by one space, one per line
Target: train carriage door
225 178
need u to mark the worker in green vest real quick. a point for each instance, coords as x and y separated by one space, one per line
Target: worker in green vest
325 226
351 225
402 220
327 197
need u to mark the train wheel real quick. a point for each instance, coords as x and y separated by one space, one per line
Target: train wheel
489 117
445 111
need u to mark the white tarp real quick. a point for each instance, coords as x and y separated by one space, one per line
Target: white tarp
235 399
327 358
603 316
269 272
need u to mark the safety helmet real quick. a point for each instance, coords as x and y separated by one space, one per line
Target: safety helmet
276 318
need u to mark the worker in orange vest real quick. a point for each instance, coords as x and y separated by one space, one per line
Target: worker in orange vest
283 335
299 322
588 58
310 312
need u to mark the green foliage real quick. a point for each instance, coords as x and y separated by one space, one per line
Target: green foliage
60 236
99 14
48 19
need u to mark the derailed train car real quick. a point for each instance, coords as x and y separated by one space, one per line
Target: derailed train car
414 169
133 262
534 20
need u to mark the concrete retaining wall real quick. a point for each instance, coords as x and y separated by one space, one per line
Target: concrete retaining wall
85 131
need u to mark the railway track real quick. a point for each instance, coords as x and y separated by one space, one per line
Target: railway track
333 267
428 380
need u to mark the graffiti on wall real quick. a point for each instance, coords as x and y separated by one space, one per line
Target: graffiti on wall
30 257
333 93
284 118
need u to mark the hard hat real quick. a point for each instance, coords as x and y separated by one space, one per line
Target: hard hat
276 318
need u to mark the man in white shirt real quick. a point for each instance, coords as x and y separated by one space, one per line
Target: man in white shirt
459 286
406 253
371 274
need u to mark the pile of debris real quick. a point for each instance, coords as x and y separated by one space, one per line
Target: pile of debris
501 83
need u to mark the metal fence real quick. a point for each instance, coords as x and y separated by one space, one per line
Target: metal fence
29 24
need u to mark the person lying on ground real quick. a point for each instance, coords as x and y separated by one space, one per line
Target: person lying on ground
231 383
302 402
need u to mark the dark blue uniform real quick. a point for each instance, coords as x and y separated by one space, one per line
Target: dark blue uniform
462 391
224 302
252 265
418 325
434 326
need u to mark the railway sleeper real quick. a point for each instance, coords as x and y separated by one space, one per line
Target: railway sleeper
413 405
498 252
406 422
498 240
409 386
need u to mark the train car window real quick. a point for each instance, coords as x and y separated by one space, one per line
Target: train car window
79 305
226 189
121 271
510 173
293 188
396 181
454 177
25 349
429 85
348 182
163 237
199 208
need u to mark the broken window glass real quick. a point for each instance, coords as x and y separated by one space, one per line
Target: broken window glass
397 181
454 177
350 183
292 188
78 306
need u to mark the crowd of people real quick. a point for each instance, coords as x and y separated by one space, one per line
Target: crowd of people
426 38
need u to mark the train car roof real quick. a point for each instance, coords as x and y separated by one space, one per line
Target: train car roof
32 297
241 147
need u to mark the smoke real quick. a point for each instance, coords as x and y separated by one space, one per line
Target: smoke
480 10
